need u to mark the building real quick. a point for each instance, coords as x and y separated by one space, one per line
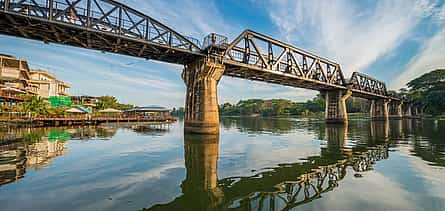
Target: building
16 78
88 101
148 112
47 84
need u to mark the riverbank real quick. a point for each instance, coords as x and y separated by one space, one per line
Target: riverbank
68 121
314 115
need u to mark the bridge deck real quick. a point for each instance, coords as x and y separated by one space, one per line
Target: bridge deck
260 74
133 34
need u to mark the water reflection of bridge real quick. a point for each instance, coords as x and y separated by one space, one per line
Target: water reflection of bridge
287 185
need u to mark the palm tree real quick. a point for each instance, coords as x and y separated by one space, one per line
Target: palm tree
36 105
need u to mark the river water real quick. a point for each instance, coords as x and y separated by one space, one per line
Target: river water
254 164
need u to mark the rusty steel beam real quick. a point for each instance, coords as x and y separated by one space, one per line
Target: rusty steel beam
82 20
366 84
257 51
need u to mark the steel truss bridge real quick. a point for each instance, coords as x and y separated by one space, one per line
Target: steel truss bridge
110 26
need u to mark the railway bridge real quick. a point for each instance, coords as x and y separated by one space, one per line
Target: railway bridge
110 26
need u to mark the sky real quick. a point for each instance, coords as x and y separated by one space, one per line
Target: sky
392 40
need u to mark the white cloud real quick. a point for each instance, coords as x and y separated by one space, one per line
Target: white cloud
186 16
429 58
441 14
233 89
354 34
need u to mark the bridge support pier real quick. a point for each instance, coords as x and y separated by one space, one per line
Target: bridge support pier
395 110
335 110
201 78
379 109
407 111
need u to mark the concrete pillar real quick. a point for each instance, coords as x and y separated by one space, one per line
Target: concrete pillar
201 183
395 110
379 109
201 78
335 109
407 111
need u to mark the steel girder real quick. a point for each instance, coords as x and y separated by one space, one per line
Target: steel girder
104 25
271 58
364 85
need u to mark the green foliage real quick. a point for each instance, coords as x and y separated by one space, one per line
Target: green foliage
35 105
427 92
357 105
105 102
274 107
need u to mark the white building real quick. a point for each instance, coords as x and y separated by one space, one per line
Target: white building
47 84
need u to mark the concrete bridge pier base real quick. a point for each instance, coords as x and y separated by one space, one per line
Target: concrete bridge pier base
335 110
201 78
379 109
407 111
395 110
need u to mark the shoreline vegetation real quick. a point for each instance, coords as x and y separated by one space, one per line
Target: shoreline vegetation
41 107
426 93
38 111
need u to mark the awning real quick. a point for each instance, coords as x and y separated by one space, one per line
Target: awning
110 110
75 110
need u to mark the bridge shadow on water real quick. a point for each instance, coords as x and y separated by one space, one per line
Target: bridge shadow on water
289 185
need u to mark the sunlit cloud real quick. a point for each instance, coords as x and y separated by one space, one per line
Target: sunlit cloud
430 57
354 34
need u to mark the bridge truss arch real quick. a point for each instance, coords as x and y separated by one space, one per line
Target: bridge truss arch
272 58
104 25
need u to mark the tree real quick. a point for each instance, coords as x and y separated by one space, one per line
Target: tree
35 104
317 104
105 102
428 91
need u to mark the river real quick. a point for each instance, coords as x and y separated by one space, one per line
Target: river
254 164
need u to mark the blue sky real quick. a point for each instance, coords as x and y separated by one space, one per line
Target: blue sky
392 40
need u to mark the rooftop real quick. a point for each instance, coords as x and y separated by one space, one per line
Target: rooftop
148 108
6 55
45 72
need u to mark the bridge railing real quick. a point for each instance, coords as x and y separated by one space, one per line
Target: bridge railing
105 16
254 50
215 40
